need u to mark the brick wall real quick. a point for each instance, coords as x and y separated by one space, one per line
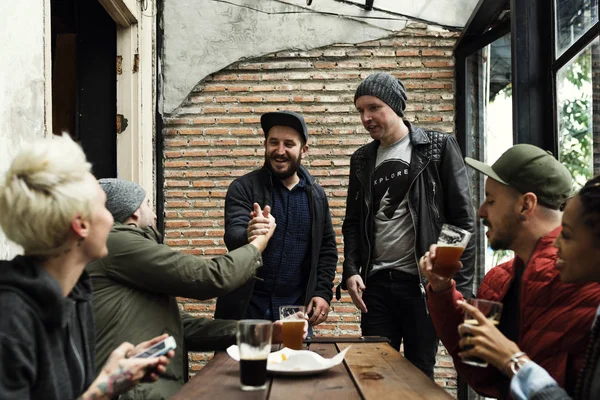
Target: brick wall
216 137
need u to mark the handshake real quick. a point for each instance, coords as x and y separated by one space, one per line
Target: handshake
261 227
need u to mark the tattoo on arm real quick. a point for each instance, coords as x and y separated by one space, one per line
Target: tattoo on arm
115 384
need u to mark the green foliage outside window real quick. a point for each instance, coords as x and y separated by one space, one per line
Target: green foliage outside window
575 119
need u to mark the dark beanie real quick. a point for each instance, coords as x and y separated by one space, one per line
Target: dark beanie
123 198
386 88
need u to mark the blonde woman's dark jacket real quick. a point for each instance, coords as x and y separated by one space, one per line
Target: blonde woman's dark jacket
46 339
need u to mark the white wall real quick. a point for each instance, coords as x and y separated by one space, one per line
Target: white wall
21 83
205 36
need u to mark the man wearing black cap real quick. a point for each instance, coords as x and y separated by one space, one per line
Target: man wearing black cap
136 285
524 191
299 262
403 187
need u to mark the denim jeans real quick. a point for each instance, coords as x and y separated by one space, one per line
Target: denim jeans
396 310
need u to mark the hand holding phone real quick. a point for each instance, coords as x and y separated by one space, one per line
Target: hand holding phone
159 349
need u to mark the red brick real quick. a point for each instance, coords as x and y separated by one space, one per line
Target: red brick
214 89
176 242
251 99
177 121
407 52
215 252
226 99
438 64
242 131
190 131
175 164
204 120
215 110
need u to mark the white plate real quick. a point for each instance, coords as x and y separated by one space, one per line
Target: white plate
295 362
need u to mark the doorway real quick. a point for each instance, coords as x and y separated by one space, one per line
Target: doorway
84 78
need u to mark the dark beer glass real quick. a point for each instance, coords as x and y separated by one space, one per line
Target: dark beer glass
254 343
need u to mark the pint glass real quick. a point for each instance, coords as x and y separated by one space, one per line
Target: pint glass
254 343
450 246
293 320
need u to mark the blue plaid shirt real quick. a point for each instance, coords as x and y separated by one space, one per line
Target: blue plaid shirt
286 260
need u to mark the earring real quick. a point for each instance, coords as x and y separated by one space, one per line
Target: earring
79 241
522 217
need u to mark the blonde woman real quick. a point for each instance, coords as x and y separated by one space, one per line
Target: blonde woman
52 206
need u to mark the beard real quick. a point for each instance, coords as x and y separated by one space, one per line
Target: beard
504 236
294 165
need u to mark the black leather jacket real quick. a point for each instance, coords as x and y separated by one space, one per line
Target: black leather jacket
257 186
439 193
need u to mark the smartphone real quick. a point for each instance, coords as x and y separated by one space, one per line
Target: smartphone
159 349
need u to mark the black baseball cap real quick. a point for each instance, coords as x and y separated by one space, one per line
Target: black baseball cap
528 168
284 118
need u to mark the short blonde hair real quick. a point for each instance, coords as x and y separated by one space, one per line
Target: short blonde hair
46 186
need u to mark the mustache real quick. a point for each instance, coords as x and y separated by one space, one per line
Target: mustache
486 222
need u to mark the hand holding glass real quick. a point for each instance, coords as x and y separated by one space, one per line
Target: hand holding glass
293 320
491 310
450 246
254 343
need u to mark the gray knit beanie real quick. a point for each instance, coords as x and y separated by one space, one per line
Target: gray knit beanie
386 88
123 198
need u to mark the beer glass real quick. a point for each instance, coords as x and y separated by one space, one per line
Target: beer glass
293 322
450 246
254 343
492 311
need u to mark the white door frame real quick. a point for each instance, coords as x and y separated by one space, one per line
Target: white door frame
135 87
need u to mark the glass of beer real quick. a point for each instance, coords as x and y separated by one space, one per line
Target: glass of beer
254 343
293 323
492 311
450 246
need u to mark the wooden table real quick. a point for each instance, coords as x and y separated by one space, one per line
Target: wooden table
370 371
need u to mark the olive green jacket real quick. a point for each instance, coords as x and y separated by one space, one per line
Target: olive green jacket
135 289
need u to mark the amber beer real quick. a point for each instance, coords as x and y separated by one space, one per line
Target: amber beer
447 260
293 331
450 246
293 322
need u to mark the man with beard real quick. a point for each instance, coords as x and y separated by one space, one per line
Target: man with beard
404 185
548 319
299 262
135 287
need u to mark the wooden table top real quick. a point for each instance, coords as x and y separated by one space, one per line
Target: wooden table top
370 371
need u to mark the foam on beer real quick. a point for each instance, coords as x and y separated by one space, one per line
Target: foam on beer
248 352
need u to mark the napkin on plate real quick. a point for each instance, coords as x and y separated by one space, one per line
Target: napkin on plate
295 360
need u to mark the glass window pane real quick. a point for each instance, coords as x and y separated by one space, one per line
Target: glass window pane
573 19
577 94
498 125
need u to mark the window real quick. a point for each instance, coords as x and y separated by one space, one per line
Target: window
575 100
572 19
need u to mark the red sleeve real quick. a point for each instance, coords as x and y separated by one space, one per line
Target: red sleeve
446 316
